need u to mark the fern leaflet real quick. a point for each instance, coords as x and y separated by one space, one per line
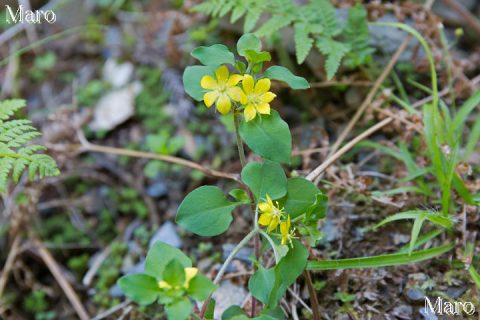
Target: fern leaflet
15 157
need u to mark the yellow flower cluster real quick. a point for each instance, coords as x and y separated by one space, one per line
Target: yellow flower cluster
224 88
271 216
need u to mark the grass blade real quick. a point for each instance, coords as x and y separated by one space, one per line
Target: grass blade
386 260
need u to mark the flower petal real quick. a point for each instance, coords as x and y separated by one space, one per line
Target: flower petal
267 97
264 207
234 79
222 74
163 285
263 85
247 84
273 224
263 108
207 82
270 202
190 273
210 97
265 219
235 93
249 112
224 104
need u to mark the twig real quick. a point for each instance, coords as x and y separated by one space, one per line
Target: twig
299 299
112 310
9 263
368 100
313 295
241 152
97 263
467 16
57 274
318 170
89 147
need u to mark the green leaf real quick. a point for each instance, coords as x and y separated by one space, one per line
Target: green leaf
209 314
205 211
159 255
9 107
214 55
191 80
240 195
276 22
261 284
234 313
380 261
179 310
327 17
318 210
257 57
301 195
200 287
303 43
265 178
141 288
334 51
283 74
174 273
248 41
475 276
446 222
287 271
269 137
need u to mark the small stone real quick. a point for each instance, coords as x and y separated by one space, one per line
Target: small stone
157 189
226 295
168 234
118 74
415 294
403 312
456 292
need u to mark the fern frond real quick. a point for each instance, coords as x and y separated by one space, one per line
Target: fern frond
9 107
15 157
334 51
327 17
357 36
276 22
254 11
303 43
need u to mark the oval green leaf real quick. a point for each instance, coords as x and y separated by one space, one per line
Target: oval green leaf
301 196
248 42
141 288
214 55
269 137
265 178
205 211
191 80
285 75
159 255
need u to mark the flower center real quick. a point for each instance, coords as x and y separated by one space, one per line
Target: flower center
254 99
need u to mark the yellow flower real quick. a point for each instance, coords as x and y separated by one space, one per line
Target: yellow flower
257 97
287 234
190 273
222 89
271 214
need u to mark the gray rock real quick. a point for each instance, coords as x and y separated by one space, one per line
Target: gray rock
244 253
403 311
226 295
168 234
157 189
415 294
428 314
456 292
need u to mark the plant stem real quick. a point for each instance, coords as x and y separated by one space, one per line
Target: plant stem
313 295
272 244
241 152
14 155
223 268
232 255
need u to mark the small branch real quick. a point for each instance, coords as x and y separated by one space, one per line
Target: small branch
319 170
313 295
57 274
9 263
272 244
467 16
227 262
89 147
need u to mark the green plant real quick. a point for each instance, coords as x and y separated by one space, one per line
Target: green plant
15 156
285 211
314 23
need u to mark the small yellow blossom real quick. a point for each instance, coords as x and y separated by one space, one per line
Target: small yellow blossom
270 214
190 273
257 97
287 234
222 89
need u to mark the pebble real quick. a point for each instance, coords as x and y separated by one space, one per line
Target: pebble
167 233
